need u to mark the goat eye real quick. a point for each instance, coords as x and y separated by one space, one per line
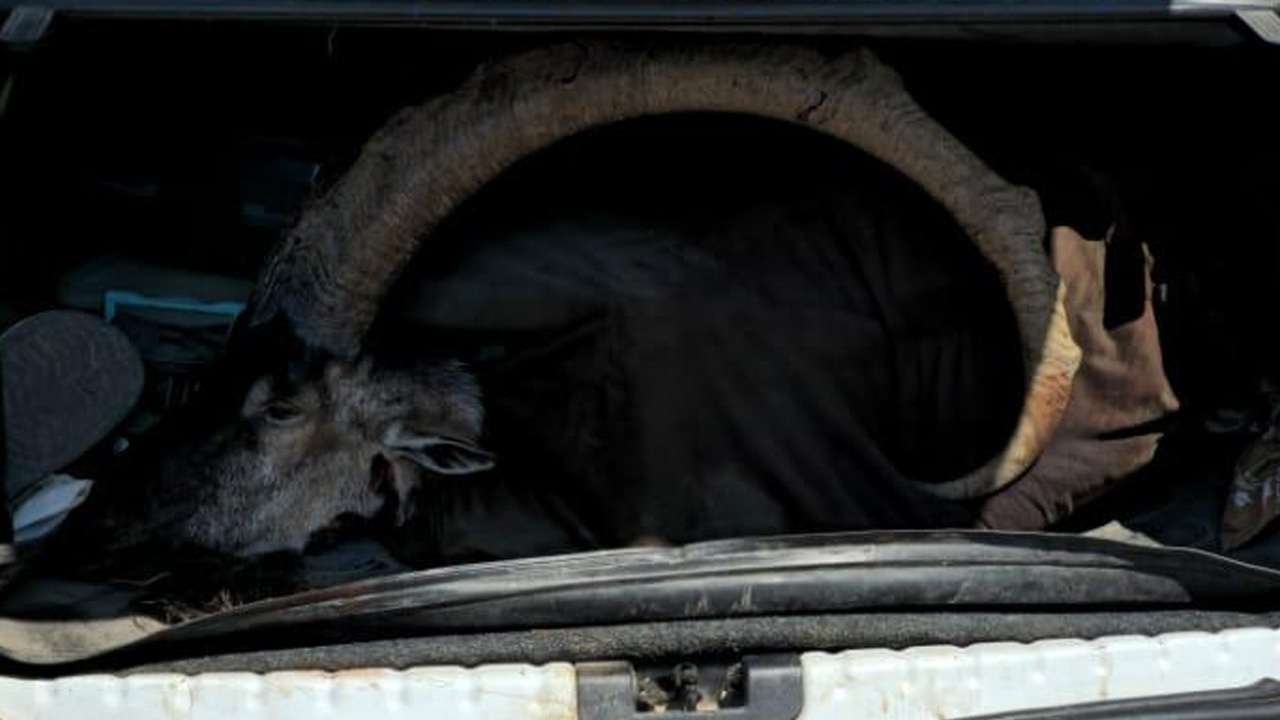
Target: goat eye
282 413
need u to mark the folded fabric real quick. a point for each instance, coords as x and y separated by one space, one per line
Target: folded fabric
1111 427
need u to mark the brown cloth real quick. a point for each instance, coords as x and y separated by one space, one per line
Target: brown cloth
1120 391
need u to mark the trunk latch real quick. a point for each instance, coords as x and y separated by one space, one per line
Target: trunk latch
760 687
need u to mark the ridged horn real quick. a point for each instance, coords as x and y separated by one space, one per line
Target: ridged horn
330 273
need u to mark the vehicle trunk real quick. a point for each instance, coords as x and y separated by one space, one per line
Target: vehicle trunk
687 290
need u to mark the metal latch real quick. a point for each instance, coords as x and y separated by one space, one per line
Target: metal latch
760 687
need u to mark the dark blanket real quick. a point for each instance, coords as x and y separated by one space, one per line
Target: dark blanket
794 367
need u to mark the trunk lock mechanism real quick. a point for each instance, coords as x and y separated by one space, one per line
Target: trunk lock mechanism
760 687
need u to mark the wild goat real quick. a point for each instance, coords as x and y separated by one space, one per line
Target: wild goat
357 439
354 439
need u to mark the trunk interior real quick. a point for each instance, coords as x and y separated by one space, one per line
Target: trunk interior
165 159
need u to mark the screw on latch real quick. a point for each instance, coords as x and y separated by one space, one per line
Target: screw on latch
733 690
685 694
677 690
650 694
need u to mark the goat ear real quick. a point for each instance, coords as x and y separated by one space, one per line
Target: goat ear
410 455
438 454
446 456
428 455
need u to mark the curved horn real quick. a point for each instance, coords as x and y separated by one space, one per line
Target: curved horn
332 270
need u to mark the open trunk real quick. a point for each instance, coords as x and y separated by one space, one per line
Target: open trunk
696 321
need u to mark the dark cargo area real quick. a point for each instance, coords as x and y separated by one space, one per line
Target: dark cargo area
194 144
745 293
